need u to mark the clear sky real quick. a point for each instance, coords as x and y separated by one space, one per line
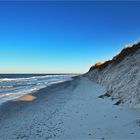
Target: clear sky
64 37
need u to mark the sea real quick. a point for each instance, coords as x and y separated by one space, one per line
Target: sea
13 86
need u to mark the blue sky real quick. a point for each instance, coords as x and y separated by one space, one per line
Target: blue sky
64 37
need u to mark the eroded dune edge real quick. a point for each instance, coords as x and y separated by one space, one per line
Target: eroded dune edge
120 76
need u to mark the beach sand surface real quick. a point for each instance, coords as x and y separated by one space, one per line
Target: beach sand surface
69 110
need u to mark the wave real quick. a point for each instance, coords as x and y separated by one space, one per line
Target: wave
31 78
12 88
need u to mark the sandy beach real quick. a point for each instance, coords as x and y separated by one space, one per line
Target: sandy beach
68 110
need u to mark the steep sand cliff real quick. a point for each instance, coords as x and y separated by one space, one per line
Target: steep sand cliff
120 76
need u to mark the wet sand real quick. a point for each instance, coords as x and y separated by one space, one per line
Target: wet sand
24 117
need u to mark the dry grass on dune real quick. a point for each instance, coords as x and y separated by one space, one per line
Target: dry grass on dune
129 50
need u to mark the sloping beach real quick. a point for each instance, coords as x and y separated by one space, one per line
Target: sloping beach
68 110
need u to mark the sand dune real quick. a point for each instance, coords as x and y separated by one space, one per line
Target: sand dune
121 76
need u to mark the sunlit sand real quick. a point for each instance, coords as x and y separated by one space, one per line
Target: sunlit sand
26 98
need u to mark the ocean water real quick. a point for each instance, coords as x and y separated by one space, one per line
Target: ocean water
13 86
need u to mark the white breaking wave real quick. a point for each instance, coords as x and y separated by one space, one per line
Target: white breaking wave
33 78
12 88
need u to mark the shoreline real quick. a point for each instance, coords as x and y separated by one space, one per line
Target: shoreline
36 91
18 104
